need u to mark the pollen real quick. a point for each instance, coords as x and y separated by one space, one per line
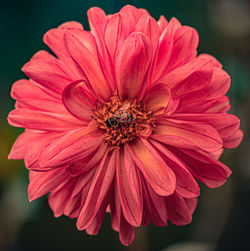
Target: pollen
123 121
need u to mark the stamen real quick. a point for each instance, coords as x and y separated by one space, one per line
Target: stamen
123 121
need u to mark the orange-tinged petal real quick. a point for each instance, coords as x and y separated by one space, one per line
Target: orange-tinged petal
157 98
186 185
153 167
129 186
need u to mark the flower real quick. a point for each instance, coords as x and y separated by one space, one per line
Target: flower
123 120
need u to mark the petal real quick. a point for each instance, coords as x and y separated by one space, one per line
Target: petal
225 124
59 199
188 78
220 105
132 64
129 187
216 63
184 134
71 25
213 173
153 167
218 87
47 73
77 101
126 232
113 34
234 140
81 45
157 99
96 223
191 203
155 204
163 23
98 190
149 27
165 49
34 150
186 186
97 20
186 40
30 95
19 148
89 162
45 121
42 183
54 40
72 146
178 211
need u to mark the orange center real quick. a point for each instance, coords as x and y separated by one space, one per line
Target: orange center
123 121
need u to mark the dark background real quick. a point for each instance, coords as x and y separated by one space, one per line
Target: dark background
221 221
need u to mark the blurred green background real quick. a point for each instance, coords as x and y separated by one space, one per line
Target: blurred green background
221 221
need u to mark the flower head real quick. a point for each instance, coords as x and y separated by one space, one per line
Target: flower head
125 119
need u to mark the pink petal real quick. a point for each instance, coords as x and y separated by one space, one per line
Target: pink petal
47 73
216 63
71 25
59 199
186 185
213 173
113 34
191 203
73 206
129 16
81 45
115 207
32 96
132 64
149 27
153 167
89 162
97 20
47 121
19 148
34 150
163 23
188 78
126 232
129 187
77 101
155 205
165 49
225 124
96 223
98 190
157 98
178 211
217 88
234 140
42 183
54 40
184 134
220 105
72 146
185 43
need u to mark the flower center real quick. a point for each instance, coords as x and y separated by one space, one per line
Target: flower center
123 121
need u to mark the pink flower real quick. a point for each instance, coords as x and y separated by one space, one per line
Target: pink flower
124 120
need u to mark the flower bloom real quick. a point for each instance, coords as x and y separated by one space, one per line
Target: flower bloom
125 119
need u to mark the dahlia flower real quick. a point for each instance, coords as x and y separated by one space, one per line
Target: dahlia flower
125 119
